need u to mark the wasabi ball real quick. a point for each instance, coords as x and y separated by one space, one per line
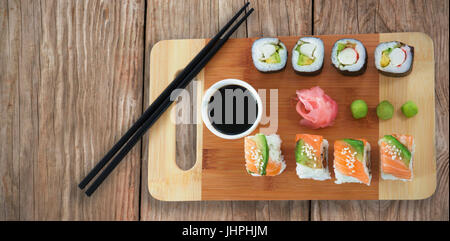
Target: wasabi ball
409 109
385 110
359 109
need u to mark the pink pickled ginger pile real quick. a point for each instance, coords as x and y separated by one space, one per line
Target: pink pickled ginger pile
317 109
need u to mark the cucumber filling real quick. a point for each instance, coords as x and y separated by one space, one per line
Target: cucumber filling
271 53
306 53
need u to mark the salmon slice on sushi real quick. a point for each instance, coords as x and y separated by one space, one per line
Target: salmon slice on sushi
269 55
307 56
352 161
394 58
263 155
311 155
396 155
349 57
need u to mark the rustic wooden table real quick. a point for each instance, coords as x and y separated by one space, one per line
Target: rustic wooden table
74 76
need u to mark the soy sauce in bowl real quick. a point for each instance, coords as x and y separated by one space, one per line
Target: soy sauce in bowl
232 109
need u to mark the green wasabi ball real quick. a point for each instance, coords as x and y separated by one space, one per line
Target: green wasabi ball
385 110
359 109
409 109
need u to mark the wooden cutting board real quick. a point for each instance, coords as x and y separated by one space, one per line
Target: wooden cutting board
219 172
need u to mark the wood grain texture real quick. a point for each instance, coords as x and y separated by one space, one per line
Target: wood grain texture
174 20
21 45
219 12
344 17
418 86
220 175
408 15
165 177
223 170
273 18
397 16
62 113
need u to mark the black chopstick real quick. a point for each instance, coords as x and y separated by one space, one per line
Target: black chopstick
160 110
164 95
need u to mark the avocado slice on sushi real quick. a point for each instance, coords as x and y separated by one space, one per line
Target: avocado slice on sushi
398 148
263 155
349 57
301 156
396 157
311 155
269 55
352 161
304 60
307 56
273 59
394 58
357 146
261 143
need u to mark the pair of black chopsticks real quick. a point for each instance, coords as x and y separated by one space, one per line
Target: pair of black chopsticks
152 113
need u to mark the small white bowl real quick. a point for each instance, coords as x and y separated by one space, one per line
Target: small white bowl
215 87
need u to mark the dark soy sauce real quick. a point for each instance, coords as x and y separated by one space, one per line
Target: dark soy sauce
239 124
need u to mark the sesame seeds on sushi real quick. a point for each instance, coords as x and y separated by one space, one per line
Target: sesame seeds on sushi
311 155
263 155
349 57
394 58
396 156
352 161
307 56
269 55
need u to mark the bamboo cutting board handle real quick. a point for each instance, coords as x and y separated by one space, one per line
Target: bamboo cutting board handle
166 180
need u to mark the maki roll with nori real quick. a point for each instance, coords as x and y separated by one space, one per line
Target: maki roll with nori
394 58
349 57
269 54
307 56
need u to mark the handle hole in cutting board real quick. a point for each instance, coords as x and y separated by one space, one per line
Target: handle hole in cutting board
186 128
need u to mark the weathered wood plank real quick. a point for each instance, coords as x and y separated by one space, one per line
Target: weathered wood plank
278 18
178 20
219 13
397 16
53 131
344 17
64 113
9 109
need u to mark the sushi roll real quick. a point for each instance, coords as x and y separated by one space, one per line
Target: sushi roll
311 155
394 58
263 155
349 57
307 56
396 155
269 54
352 161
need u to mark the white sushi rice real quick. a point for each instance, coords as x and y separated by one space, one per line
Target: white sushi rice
318 174
261 48
386 176
317 54
274 143
342 178
392 67
359 63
